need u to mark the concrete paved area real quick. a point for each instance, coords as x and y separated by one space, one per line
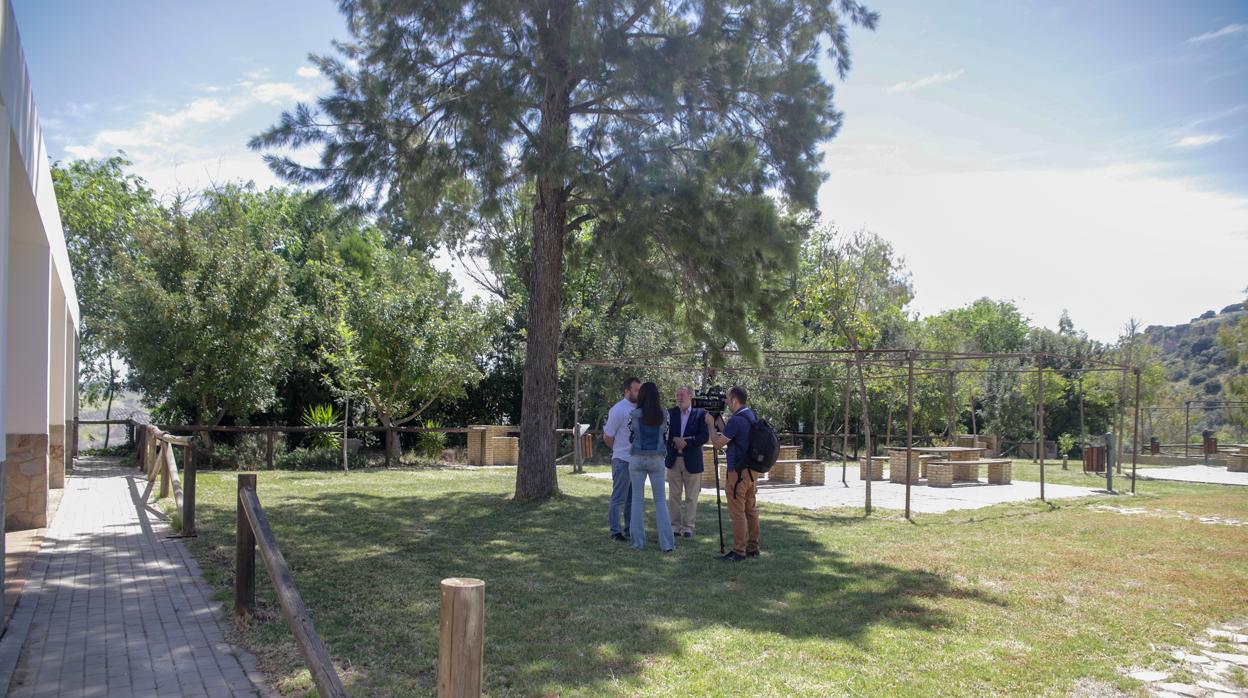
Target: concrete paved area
887 495
114 607
1211 474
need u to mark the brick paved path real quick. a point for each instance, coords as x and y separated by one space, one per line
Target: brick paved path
115 608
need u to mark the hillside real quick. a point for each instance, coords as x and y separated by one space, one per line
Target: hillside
1196 366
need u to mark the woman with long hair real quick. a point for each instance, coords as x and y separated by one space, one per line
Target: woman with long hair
647 427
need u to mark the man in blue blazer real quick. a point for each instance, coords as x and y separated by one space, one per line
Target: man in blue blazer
687 432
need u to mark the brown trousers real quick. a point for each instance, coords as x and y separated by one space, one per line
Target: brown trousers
742 511
683 488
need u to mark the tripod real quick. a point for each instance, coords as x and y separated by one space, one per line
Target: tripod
718 510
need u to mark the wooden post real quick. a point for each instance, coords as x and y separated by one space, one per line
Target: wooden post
461 642
188 501
149 451
578 458
815 424
909 425
268 450
1187 426
164 459
845 432
1135 438
346 417
1040 419
244 554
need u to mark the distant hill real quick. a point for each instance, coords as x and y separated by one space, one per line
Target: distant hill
1196 366
124 405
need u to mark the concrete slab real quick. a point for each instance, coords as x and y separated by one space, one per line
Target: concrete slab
1209 474
888 495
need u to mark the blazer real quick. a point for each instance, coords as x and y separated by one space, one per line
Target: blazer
696 434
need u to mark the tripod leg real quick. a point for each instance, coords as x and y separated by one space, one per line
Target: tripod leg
718 511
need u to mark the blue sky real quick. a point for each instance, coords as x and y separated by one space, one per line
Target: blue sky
1081 156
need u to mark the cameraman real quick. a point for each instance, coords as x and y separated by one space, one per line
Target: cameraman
740 487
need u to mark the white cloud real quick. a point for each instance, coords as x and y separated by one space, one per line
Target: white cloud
1106 243
1228 30
280 93
1196 141
928 81
201 141
308 71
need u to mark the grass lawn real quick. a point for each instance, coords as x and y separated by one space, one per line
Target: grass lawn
1014 599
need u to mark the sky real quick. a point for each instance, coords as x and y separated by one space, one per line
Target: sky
1088 157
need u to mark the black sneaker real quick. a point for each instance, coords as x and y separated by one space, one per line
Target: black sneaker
731 556
687 534
620 537
753 553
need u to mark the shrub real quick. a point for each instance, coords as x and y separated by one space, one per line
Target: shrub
430 444
247 453
318 459
322 415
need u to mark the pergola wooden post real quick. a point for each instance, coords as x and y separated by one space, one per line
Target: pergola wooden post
1040 418
1135 439
578 456
909 424
845 433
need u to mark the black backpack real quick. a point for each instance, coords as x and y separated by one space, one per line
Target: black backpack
764 446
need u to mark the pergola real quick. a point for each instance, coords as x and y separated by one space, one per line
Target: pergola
873 365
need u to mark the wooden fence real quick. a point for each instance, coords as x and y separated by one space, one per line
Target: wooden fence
155 450
253 531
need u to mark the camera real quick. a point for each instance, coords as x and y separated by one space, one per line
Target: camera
712 399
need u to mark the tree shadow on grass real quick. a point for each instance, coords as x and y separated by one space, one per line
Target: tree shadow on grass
568 610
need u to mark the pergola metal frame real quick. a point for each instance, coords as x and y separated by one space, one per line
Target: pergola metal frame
876 358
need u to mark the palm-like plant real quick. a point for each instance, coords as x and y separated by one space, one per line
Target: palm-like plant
322 415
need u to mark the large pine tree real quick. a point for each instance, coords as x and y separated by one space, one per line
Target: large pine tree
671 126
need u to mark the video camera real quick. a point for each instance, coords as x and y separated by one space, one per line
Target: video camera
712 399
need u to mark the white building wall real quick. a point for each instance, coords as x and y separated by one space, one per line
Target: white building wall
38 305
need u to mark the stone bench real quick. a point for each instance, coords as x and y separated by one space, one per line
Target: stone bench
874 467
999 471
806 471
940 474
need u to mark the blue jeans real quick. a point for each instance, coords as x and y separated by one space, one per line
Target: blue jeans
641 467
621 496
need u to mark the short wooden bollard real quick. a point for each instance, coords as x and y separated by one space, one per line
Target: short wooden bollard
461 643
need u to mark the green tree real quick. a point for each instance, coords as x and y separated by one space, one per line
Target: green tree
404 341
1234 338
103 209
853 290
203 311
666 125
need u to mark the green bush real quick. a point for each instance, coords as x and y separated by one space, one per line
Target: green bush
318 459
247 453
430 444
322 415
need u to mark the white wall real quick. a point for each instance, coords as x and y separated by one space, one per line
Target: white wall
26 386
5 148
31 151
38 304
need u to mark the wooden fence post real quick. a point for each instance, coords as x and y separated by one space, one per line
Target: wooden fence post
268 451
461 643
164 461
244 554
188 501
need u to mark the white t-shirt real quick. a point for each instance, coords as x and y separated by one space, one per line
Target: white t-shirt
617 427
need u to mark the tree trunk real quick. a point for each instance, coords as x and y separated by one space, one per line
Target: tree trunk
539 403
108 411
